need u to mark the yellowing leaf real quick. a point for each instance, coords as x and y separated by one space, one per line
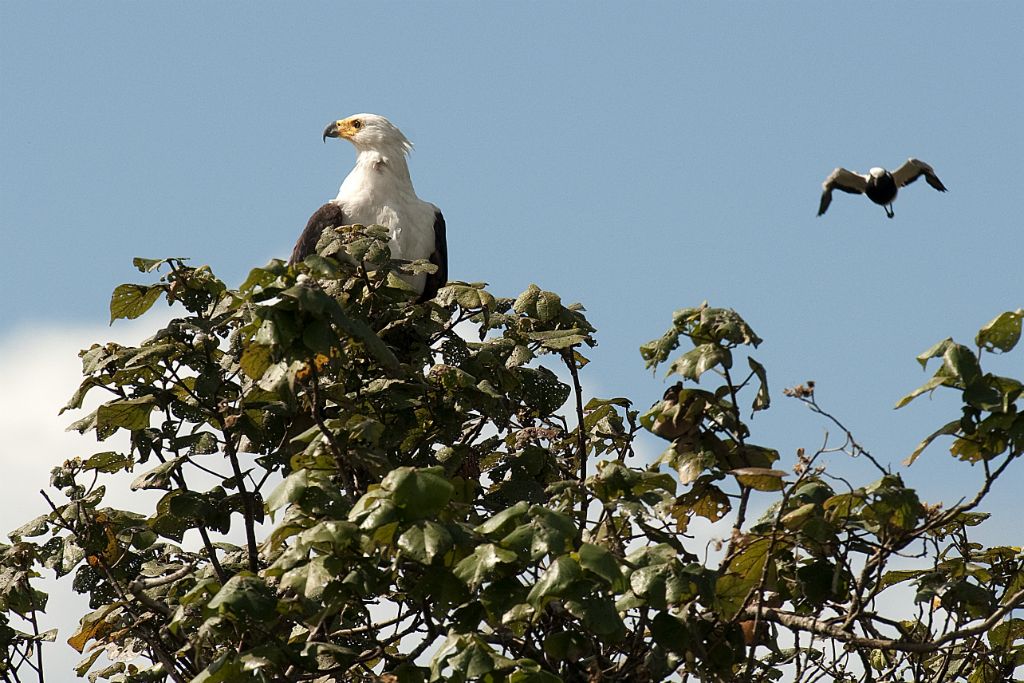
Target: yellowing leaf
131 301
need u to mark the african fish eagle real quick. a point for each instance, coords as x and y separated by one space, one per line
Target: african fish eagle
879 185
379 191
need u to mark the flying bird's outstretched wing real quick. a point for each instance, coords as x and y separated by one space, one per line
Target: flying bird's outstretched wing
841 179
914 169
328 215
439 258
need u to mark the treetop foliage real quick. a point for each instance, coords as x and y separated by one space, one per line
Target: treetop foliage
350 489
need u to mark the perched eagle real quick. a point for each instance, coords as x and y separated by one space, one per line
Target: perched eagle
879 185
379 191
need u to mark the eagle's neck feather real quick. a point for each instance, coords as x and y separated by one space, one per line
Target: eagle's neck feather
378 175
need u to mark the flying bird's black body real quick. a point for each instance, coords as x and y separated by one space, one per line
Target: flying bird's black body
879 185
881 189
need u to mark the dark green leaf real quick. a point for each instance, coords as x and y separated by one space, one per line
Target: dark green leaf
598 560
425 541
479 567
421 492
244 596
555 580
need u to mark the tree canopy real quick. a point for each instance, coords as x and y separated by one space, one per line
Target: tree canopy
353 488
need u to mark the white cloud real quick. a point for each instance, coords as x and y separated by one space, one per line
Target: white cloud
40 369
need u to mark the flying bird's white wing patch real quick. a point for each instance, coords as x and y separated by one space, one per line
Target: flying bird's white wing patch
913 169
841 179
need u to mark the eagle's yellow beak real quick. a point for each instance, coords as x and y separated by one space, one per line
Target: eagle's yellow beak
331 131
343 128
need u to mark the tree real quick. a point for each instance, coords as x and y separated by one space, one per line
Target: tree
351 490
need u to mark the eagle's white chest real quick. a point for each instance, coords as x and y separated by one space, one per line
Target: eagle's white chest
376 193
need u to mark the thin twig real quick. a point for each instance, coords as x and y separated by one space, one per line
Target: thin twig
581 437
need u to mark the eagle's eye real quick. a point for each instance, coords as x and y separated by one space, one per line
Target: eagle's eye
357 124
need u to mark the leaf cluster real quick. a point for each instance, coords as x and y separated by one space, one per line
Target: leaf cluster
350 488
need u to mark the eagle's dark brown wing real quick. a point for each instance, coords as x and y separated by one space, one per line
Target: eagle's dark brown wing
438 279
327 216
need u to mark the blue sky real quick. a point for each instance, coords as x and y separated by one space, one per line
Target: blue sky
636 157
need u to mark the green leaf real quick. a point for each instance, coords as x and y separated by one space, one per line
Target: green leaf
817 580
417 267
421 492
670 633
599 615
78 397
963 363
148 265
261 278
934 351
502 523
555 580
549 305
469 296
425 541
289 490
699 360
1006 633
566 646
479 567
131 301
795 519
36 527
318 336
937 381
83 666
744 572
600 561
1002 333
108 462
762 400
560 339
244 596
721 324
760 478
127 413
527 301
895 576
226 667
159 477
318 303
663 583
553 532
255 360
474 659
986 673
948 429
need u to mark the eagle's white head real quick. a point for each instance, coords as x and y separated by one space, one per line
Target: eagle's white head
370 133
877 172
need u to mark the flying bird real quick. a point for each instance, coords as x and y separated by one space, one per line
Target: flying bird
379 191
879 185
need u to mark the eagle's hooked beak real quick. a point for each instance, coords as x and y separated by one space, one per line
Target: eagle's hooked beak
331 131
